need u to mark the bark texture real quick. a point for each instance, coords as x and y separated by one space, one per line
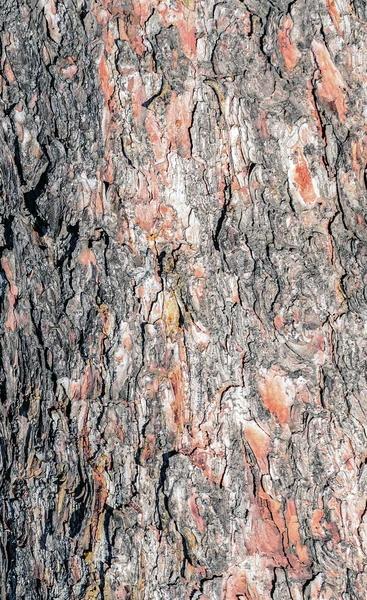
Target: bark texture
183 299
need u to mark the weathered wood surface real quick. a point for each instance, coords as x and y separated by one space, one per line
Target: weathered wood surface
183 299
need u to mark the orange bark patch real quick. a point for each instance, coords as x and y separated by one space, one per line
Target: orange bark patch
293 533
97 193
142 11
277 398
131 24
184 20
303 179
87 258
198 271
156 137
146 211
8 72
273 508
317 344
200 458
334 15
12 320
313 107
104 74
146 215
186 31
177 385
264 538
278 321
316 527
287 48
332 87
127 341
259 443
237 586
207 461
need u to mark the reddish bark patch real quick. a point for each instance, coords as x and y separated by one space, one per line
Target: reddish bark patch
195 513
104 75
316 527
259 443
177 386
332 87
236 586
293 533
303 179
279 322
287 48
274 394
334 15
86 257
265 537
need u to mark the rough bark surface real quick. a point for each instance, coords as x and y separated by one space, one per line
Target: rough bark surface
183 299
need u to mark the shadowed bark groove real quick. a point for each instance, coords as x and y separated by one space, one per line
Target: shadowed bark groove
183 306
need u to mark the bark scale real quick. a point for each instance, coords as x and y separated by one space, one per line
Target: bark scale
183 299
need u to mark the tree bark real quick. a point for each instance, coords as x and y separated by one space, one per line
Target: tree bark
183 299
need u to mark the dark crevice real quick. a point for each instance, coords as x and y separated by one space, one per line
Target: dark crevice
273 585
306 585
147 103
106 563
83 11
30 200
187 557
140 448
17 157
160 258
124 153
8 232
142 331
219 227
162 479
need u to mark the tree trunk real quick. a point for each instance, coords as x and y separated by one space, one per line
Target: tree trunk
183 300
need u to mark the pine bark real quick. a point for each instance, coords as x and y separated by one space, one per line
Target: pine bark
183 308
